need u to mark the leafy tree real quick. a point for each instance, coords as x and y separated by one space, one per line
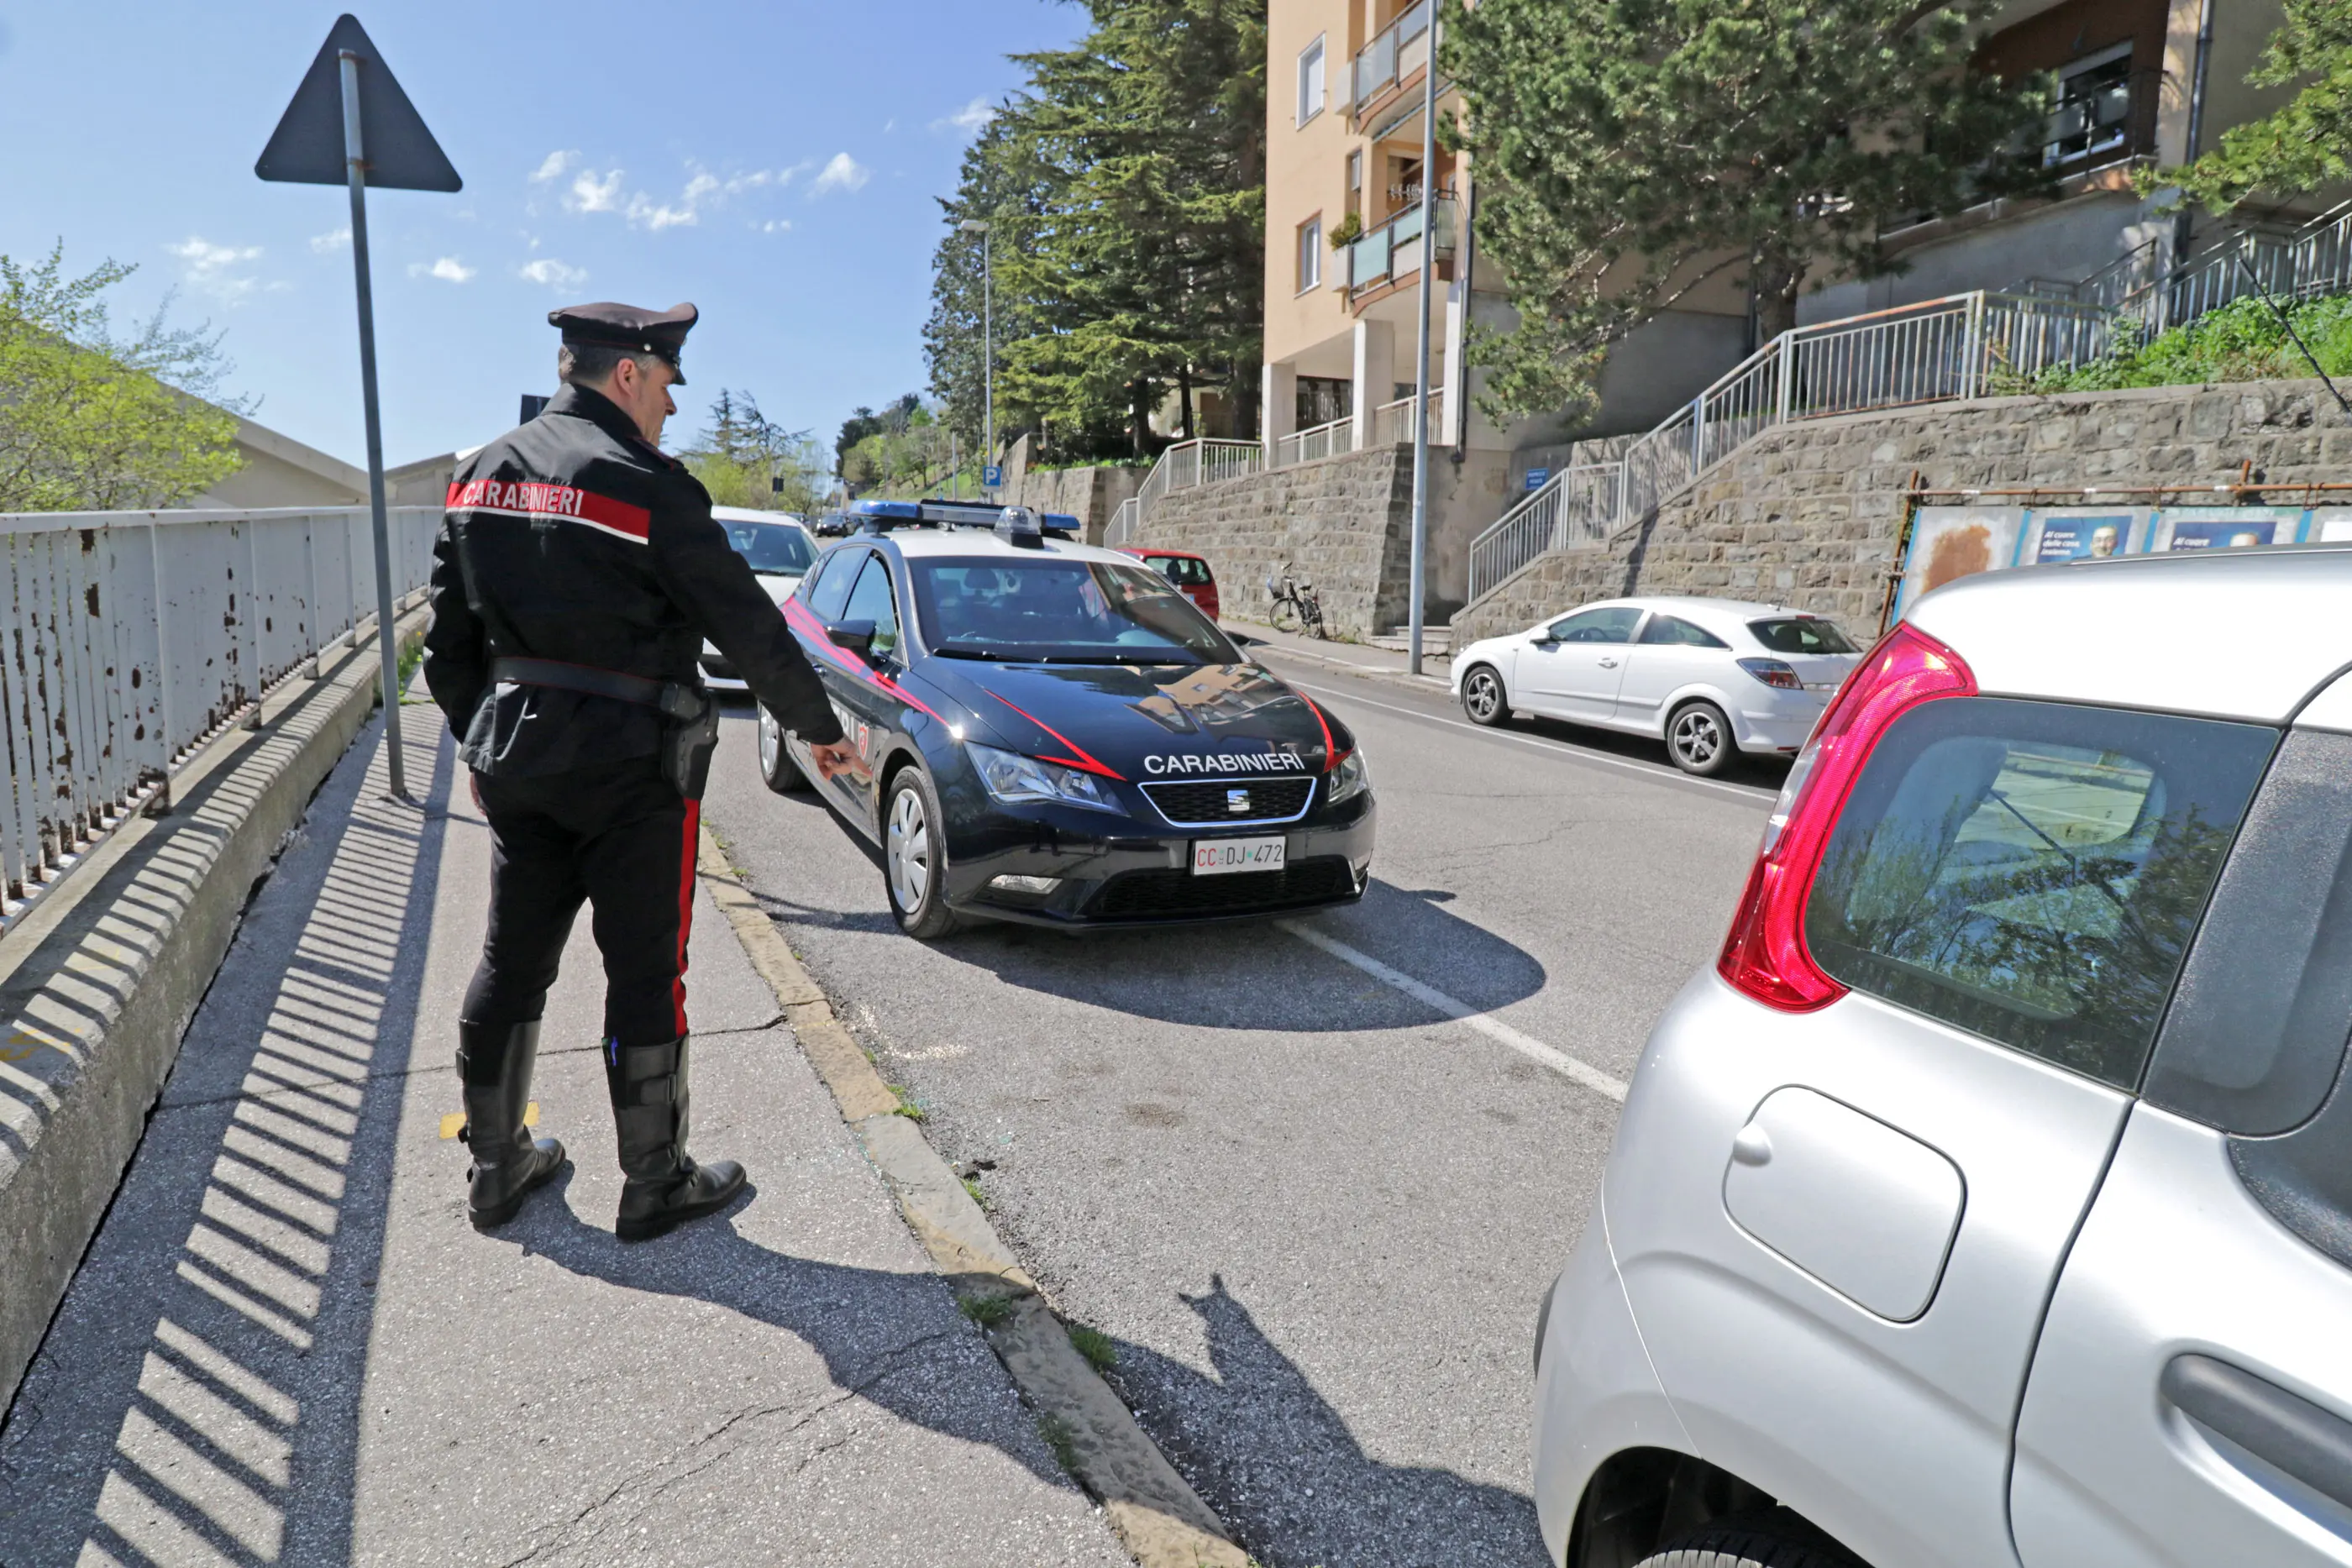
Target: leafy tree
860 425
93 420
2304 145
743 453
1632 150
1126 186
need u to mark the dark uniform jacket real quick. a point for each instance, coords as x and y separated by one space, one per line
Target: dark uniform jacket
575 538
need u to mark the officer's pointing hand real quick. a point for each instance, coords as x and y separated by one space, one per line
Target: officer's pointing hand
833 761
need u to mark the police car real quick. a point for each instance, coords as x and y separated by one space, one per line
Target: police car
1053 735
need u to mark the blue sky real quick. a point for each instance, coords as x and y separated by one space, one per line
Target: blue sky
775 163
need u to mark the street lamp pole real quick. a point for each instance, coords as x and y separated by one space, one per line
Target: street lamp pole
987 334
1420 569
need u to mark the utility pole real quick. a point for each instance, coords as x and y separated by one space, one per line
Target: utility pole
987 332
1420 348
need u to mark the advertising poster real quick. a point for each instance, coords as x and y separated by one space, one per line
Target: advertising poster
2225 528
2330 525
1948 543
2079 533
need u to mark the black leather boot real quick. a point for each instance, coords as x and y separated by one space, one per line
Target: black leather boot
665 1188
494 1062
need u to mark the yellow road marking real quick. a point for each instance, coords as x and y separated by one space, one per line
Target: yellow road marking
456 1120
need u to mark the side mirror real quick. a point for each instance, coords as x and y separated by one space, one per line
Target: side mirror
1546 640
857 636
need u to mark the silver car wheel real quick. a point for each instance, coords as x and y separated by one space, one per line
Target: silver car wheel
909 851
1697 738
771 741
1481 693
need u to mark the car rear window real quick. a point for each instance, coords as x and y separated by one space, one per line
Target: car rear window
1183 570
2032 871
1800 634
780 549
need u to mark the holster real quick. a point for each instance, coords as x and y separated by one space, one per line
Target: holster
689 716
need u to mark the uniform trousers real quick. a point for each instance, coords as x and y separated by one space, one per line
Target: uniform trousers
618 836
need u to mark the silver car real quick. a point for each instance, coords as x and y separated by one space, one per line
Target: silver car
1989 1202
1711 677
779 549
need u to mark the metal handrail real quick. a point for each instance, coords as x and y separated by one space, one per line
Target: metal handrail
1124 520
1938 351
2316 259
1315 442
1388 251
131 638
1188 465
1393 421
1391 56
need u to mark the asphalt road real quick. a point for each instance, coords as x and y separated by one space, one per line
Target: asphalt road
1314 1209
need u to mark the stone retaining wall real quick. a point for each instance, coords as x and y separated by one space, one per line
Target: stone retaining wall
1344 523
1809 515
1091 495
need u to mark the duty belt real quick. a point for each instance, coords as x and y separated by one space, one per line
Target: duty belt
679 702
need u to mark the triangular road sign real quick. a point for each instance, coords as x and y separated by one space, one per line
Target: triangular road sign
308 147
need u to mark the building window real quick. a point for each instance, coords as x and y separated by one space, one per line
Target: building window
1310 81
1310 253
2093 112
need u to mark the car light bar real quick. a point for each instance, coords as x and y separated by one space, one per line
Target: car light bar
1765 956
881 516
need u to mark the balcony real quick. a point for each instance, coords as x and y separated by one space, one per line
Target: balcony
1392 251
1402 48
2103 117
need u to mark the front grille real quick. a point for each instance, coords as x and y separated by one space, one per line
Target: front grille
1206 802
1167 895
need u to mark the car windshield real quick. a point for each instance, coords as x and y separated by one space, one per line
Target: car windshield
773 549
1061 612
1801 635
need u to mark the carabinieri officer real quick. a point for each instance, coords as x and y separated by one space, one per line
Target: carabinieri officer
577 573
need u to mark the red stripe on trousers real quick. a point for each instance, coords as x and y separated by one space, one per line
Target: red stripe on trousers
685 906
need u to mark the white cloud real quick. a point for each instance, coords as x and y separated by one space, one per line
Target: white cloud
551 273
774 225
448 270
331 241
590 194
843 173
968 118
217 269
553 167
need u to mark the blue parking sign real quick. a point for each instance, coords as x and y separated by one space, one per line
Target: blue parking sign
991 476
1537 477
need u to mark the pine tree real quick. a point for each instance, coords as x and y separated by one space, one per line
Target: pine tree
1629 151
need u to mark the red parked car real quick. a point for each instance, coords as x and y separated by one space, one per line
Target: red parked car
1188 573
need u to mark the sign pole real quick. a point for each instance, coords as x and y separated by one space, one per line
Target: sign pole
387 653
1419 574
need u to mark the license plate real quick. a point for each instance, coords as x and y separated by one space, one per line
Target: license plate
1215 857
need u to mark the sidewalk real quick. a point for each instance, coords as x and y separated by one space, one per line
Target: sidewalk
287 1345
1361 659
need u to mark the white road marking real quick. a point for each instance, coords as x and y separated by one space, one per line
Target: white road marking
1493 1027
1745 791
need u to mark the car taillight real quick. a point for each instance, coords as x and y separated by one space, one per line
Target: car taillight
1765 956
1773 673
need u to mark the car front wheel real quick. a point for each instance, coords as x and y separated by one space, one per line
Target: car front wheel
1482 697
915 857
777 768
1739 1543
1698 739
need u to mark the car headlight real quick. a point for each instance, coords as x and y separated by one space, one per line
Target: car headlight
1017 780
1351 778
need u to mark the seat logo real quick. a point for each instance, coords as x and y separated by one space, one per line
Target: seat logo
1237 803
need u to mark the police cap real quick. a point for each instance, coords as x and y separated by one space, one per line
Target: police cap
633 328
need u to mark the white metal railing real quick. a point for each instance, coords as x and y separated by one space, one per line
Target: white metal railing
1189 464
130 638
1120 529
2316 259
1401 48
1315 442
1935 352
1393 250
1393 421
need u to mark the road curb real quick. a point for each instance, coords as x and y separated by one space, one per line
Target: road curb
101 981
1160 1518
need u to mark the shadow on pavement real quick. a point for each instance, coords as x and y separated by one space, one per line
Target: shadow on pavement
1281 1468
855 1319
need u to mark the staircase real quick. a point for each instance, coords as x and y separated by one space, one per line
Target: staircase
1939 351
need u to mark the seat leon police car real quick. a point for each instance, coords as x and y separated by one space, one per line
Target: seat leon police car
1990 1200
1057 735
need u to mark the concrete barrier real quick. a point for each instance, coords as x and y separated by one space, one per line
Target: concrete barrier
101 978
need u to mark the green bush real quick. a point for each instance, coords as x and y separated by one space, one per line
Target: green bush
2242 341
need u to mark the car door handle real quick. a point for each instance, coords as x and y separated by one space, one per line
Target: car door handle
2313 1444
1608 663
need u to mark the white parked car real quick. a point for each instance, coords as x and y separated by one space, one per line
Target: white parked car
780 549
1989 1202
1710 677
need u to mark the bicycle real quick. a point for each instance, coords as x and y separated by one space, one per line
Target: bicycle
1297 606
